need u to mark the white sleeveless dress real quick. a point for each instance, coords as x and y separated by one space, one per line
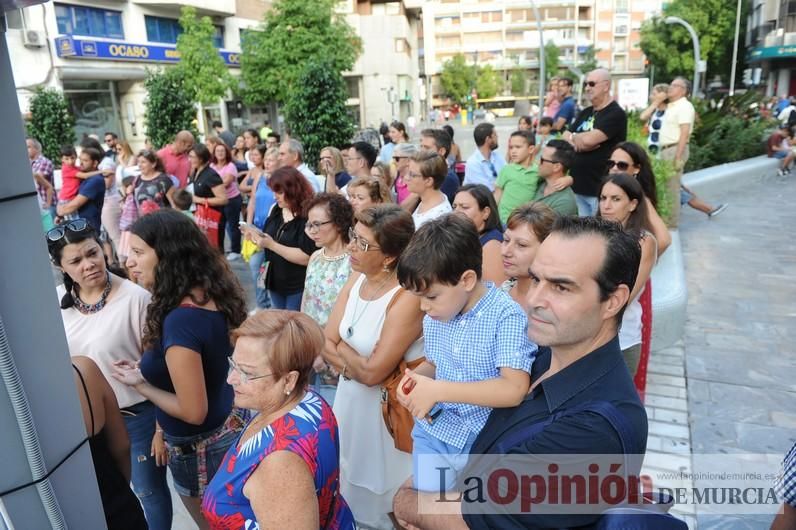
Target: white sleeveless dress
371 467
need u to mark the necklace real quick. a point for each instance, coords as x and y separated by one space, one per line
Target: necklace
88 309
350 331
333 258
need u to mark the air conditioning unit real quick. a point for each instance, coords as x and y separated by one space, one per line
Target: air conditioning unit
33 39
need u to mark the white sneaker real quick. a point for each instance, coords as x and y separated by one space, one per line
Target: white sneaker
233 256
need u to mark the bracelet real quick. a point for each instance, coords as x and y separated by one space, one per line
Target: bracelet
160 431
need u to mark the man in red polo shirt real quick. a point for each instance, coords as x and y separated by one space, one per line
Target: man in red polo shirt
175 156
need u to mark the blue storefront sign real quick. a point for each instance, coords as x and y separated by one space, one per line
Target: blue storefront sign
772 52
78 48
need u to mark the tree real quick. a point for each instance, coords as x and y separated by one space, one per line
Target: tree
169 106
316 111
551 62
587 61
205 74
518 81
294 33
488 83
669 46
51 122
458 78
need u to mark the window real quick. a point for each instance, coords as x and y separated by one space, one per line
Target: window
621 6
89 21
15 19
491 16
161 29
621 25
620 44
619 62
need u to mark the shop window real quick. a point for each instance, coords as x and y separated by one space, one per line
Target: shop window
162 29
89 21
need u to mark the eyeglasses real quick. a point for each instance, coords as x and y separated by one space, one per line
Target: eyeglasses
360 242
399 158
542 160
314 227
244 377
591 84
411 175
76 226
621 166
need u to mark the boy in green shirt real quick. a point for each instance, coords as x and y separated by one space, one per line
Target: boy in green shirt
517 181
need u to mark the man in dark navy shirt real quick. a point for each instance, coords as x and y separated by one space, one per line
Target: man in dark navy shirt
91 194
582 276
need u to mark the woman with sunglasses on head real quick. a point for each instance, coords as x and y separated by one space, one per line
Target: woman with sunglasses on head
652 116
287 246
622 200
375 324
196 301
631 158
329 218
95 299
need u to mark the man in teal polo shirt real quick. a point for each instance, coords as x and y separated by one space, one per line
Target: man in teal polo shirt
517 182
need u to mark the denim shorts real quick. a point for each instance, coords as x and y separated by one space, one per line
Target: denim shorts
780 154
185 467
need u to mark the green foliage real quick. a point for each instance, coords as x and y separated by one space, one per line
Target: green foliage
51 122
316 110
727 130
169 106
518 81
206 76
458 78
662 169
587 61
294 33
669 46
551 61
488 82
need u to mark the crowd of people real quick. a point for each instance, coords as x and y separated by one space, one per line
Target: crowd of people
404 319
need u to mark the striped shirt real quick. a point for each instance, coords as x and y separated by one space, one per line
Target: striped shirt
472 347
787 486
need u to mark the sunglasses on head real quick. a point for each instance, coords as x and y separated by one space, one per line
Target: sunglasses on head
76 226
621 166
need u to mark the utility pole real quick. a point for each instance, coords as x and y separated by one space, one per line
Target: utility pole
735 48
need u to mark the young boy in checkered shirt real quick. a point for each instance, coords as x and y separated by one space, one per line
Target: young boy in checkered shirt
478 355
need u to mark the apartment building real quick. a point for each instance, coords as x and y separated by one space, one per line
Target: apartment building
771 46
98 52
505 34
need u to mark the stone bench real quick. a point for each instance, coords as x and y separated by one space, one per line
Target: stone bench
669 287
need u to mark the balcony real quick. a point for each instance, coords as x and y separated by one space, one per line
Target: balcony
224 8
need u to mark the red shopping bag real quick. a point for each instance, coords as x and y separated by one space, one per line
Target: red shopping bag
208 219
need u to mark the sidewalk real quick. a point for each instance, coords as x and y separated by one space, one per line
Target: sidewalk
740 336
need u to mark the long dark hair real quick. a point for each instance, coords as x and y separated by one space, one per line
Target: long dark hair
186 261
639 219
645 177
294 185
485 199
56 249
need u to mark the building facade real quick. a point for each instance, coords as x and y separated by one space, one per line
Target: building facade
505 34
771 46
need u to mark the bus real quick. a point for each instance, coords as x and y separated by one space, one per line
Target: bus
507 106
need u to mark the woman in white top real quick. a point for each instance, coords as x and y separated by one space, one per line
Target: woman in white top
622 200
374 325
104 317
427 172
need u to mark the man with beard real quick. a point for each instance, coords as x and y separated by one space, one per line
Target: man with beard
485 163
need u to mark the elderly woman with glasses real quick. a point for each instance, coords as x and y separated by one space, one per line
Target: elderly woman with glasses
401 156
283 470
95 299
375 324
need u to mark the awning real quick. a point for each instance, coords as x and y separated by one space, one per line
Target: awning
127 73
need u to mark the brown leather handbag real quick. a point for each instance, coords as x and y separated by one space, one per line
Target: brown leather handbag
397 418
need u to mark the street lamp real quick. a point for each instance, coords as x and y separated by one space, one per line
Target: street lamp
735 48
697 61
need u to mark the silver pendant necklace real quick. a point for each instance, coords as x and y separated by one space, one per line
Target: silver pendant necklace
354 321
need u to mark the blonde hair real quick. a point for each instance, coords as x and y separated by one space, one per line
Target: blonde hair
377 189
337 158
385 172
290 340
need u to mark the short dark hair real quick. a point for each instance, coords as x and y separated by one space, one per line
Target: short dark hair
68 150
400 127
182 199
441 139
275 135
216 124
432 165
392 226
565 153
526 120
341 214
482 132
111 134
254 134
528 136
367 152
440 252
448 129
622 252
485 199
95 154
566 80
537 215
547 120
202 152
88 141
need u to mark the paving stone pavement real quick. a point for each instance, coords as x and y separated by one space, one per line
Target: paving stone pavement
740 333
